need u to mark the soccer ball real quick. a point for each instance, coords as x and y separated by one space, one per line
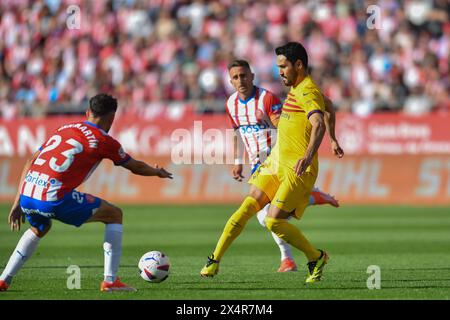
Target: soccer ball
154 266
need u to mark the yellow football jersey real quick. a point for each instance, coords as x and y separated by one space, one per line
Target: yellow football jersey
294 128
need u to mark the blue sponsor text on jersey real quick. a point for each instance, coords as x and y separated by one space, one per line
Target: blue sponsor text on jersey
252 128
37 180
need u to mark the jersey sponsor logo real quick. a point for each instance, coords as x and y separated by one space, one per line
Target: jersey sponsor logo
285 115
37 211
35 183
37 179
253 128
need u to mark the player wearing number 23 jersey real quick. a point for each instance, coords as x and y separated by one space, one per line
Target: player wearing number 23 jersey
47 190
64 162
68 158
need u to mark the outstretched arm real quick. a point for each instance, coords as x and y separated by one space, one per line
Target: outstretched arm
143 169
330 122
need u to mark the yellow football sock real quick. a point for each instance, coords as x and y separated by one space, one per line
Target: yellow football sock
292 235
235 225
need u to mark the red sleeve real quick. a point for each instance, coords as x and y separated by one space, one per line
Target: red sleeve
272 104
230 119
113 150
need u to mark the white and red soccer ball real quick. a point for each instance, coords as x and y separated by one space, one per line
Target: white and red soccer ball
154 266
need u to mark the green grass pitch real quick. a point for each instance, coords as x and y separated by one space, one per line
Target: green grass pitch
410 245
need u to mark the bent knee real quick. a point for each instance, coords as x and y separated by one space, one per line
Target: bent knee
116 215
41 233
259 196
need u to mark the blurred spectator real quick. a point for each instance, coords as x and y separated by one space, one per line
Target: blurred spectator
417 102
152 52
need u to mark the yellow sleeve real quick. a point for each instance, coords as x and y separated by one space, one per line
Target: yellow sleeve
313 102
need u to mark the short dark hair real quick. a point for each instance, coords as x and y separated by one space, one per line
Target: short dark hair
294 51
102 104
238 63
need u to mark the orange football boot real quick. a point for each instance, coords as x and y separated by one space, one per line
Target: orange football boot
324 198
287 264
115 286
3 285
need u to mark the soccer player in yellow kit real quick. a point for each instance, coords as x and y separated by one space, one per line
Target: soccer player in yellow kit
288 175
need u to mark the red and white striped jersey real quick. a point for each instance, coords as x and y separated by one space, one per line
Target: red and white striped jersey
68 158
252 118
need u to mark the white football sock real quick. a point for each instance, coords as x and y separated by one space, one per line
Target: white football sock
24 249
262 214
113 250
285 248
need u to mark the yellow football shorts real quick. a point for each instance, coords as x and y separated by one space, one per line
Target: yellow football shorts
285 190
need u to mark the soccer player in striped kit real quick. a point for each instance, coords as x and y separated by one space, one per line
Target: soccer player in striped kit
47 189
255 112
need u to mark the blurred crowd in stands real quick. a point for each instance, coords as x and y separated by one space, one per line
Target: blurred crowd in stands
153 52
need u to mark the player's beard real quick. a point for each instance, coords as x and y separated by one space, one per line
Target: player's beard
286 81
